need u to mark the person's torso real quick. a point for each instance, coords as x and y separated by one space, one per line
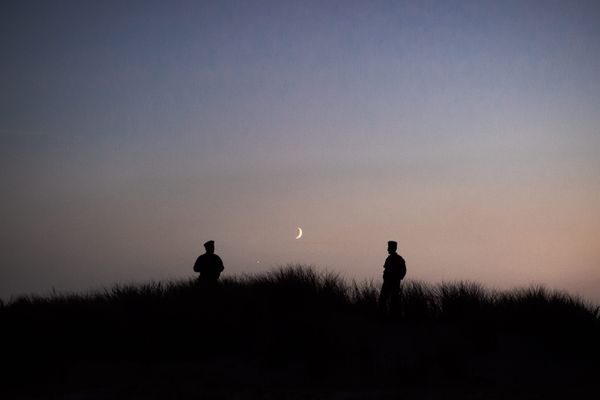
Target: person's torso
210 265
394 267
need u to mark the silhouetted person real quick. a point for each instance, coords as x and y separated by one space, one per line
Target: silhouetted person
394 271
209 265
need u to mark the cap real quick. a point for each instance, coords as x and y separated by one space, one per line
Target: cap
209 243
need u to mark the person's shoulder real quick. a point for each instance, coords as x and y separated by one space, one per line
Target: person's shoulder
398 257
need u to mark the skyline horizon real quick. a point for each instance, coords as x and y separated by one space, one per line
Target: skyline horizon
133 132
589 296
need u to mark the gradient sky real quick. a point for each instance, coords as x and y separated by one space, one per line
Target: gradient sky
133 131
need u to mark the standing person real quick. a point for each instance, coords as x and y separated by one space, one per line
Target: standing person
394 271
209 265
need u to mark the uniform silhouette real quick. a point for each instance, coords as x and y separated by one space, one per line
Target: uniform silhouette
209 265
394 271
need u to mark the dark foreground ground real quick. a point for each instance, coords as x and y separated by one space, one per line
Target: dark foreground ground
298 334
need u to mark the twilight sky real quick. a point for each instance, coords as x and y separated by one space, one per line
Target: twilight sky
133 131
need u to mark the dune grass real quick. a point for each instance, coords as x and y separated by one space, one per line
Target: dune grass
303 287
298 325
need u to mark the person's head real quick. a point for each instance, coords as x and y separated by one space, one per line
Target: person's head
392 246
210 246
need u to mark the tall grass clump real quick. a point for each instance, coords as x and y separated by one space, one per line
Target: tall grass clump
298 324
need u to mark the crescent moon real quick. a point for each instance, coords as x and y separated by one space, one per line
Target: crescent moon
299 233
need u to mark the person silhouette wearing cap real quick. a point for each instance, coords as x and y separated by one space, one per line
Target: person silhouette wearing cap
394 271
209 265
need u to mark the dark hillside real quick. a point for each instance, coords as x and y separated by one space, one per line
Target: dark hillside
299 333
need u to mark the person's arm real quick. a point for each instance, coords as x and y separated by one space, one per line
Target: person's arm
386 270
386 264
402 268
197 265
221 267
